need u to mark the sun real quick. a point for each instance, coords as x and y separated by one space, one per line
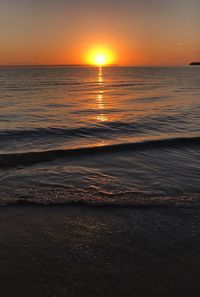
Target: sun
100 57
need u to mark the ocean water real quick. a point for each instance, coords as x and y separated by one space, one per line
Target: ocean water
111 136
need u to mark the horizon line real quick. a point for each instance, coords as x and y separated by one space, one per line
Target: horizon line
86 65
60 65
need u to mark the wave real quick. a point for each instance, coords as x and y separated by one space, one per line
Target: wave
143 125
191 200
30 158
69 132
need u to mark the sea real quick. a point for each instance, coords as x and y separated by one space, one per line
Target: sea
124 136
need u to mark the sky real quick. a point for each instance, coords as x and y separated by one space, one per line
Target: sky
136 32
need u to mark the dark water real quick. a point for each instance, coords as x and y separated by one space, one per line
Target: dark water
127 136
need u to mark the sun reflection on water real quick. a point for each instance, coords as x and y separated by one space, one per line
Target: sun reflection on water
101 117
100 76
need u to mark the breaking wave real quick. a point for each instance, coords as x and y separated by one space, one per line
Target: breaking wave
30 158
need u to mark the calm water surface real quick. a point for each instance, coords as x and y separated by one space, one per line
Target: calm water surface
119 135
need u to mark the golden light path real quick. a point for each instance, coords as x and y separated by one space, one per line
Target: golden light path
101 117
100 57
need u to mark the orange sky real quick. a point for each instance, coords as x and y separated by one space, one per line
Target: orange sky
144 32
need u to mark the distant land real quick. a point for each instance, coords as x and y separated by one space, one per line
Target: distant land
195 64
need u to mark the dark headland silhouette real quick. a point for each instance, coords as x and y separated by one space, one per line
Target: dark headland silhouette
195 64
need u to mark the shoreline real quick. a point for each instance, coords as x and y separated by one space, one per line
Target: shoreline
80 250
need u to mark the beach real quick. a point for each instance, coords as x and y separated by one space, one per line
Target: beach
80 250
100 148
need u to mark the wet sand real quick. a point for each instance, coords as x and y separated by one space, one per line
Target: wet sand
78 251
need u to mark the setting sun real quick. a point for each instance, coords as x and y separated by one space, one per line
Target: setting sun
100 57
